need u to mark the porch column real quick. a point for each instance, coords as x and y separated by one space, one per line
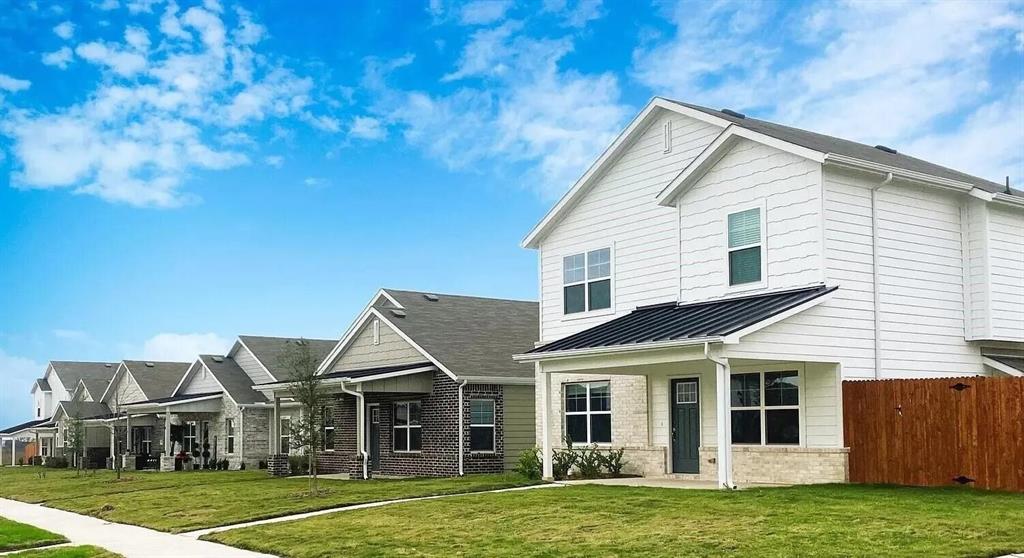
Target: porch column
127 432
545 421
275 427
168 450
724 459
113 445
14 451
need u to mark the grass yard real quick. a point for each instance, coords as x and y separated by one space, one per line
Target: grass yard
837 520
186 501
69 552
17 536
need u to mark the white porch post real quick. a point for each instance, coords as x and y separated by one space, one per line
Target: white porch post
275 427
722 370
127 432
168 450
545 421
113 450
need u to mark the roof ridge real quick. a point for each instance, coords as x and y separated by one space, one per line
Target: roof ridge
497 299
287 338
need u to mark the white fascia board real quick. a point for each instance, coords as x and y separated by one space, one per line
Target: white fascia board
1008 370
187 375
610 154
904 174
717 149
113 381
499 380
375 377
734 337
353 329
415 345
223 390
1008 200
613 350
256 358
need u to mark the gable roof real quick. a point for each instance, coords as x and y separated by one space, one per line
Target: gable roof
693 322
467 337
84 409
42 384
71 373
156 379
826 145
236 383
269 350
24 426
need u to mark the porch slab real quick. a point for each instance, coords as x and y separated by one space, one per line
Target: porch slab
661 482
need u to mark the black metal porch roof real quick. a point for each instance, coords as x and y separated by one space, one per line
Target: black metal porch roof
675 322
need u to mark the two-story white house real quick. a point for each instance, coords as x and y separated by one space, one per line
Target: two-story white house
711 280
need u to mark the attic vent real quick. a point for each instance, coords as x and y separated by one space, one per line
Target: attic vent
149 365
431 297
218 359
733 113
397 313
886 149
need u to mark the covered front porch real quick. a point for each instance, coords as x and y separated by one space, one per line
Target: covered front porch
172 433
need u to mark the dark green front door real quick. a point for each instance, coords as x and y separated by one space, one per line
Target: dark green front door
685 426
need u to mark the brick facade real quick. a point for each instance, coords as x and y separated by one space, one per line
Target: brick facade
438 456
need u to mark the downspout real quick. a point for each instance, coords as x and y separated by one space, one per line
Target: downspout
721 406
876 287
360 426
462 441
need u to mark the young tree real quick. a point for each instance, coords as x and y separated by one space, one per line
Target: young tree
306 388
74 439
118 398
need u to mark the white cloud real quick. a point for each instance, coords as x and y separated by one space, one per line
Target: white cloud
313 181
59 58
575 14
368 128
71 334
183 347
483 12
18 375
184 97
275 161
64 30
13 85
909 75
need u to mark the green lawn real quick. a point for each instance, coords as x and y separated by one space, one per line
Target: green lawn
186 501
69 552
16 536
837 520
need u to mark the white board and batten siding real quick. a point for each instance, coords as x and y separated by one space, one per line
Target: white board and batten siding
619 212
200 380
391 350
251 366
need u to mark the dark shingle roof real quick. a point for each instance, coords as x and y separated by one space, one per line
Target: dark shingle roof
173 398
839 146
43 384
1017 363
365 372
676 322
470 336
270 350
157 379
94 374
85 409
23 426
235 381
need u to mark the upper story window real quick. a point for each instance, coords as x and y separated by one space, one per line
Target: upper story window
587 281
745 246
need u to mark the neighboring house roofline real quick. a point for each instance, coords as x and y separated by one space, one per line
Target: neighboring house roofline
241 343
113 382
199 361
354 328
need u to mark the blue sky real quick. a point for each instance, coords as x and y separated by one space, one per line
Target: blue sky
175 174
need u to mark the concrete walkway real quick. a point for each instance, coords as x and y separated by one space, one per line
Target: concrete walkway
201 532
127 540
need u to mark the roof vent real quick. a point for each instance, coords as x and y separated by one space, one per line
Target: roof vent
733 113
397 313
108 365
886 149
149 365
218 359
431 297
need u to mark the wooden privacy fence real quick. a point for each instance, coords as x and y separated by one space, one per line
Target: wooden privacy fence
936 432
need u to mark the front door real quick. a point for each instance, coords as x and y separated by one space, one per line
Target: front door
374 437
685 426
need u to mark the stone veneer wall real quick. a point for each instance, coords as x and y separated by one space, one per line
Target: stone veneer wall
439 417
779 465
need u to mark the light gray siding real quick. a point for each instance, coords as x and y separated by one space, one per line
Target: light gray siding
252 367
1006 272
199 380
363 353
126 390
519 422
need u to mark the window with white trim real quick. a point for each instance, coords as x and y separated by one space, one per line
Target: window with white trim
189 436
745 245
408 435
765 408
587 281
481 425
328 425
588 413
229 434
286 434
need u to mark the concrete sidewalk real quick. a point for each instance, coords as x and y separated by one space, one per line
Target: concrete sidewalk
127 540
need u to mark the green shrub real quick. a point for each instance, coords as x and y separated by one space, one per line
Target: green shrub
589 462
57 462
613 461
530 464
299 464
562 462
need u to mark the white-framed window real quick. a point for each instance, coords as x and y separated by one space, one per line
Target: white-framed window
328 426
376 332
407 430
188 437
765 408
229 434
746 247
587 281
588 412
481 425
286 434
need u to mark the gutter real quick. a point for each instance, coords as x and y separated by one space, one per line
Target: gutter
615 349
462 441
903 174
361 424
